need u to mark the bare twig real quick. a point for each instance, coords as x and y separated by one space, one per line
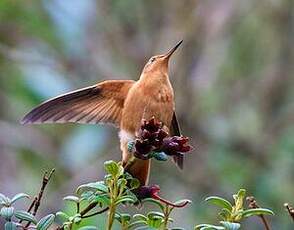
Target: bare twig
290 210
37 200
253 204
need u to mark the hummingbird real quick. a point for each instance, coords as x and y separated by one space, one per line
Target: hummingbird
122 103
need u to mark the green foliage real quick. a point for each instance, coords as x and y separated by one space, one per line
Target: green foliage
241 106
108 195
45 222
26 216
155 219
232 214
218 201
5 201
10 214
116 190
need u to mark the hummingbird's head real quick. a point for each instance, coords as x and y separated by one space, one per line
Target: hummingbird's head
159 63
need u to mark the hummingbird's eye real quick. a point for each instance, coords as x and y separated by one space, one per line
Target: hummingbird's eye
152 59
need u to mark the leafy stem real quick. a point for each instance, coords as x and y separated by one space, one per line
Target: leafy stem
115 189
232 214
166 212
113 193
111 214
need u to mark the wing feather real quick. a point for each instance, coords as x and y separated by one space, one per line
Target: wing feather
100 103
175 131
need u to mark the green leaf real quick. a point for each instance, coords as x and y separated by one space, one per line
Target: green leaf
19 196
62 215
218 201
45 222
23 215
140 217
126 198
88 228
127 176
134 183
10 226
239 199
67 225
7 212
4 200
139 222
256 211
155 222
209 227
89 196
241 193
182 202
155 214
103 199
77 219
125 217
117 216
94 187
230 226
150 200
225 214
170 219
122 183
113 168
72 199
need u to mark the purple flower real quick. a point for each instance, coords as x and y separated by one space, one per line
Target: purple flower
175 145
152 138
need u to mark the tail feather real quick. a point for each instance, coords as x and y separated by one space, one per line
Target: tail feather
139 169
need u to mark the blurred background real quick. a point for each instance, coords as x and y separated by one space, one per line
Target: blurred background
233 81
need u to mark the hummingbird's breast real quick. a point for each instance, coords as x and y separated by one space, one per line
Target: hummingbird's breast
146 100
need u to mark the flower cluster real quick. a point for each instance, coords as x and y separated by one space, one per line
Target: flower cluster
154 141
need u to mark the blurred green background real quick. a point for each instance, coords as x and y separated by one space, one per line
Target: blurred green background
233 81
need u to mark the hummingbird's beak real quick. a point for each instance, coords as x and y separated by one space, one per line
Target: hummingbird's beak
169 53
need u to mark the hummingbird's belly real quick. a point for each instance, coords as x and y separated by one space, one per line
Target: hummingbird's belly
141 106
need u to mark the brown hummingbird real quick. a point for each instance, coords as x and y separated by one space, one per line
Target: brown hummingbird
123 103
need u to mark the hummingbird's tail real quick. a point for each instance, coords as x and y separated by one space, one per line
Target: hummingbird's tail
136 167
139 169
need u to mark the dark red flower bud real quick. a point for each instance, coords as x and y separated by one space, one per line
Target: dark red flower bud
145 134
175 144
152 137
162 134
142 147
147 191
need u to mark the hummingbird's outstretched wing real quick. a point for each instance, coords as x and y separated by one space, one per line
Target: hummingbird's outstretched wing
100 103
175 131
